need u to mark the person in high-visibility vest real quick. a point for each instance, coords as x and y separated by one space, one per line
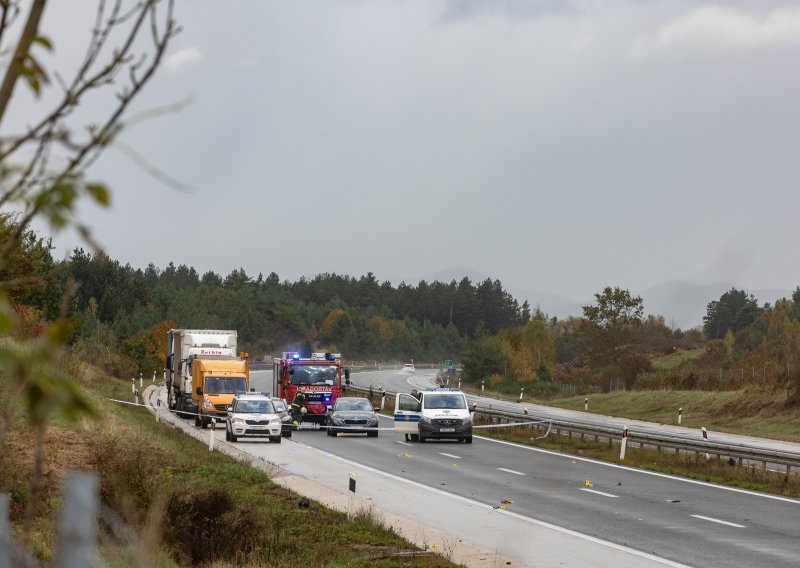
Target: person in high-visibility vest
298 404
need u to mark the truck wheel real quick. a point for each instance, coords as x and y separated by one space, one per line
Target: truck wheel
275 440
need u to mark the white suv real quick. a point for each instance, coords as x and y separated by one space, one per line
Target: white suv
252 416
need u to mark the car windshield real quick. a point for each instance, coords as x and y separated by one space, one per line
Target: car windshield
362 405
225 385
279 406
315 375
255 406
455 401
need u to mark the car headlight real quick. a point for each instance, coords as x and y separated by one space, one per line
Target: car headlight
336 420
238 421
425 419
275 422
467 420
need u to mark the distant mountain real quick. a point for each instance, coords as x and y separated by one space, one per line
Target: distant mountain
683 304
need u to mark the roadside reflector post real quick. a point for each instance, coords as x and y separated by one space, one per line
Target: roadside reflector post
482 386
705 437
141 378
133 385
521 393
154 377
351 494
383 399
623 444
211 434
586 404
680 415
459 384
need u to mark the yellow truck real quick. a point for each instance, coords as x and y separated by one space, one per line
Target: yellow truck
217 381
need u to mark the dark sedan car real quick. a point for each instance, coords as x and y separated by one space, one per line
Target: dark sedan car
286 418
353 415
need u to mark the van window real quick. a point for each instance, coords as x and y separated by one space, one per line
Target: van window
437 401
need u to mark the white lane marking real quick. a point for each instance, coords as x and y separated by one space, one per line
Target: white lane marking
450 456
517 516
599 492
719 521
401 443
643 471
510 471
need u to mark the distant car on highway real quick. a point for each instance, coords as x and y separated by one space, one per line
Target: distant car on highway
252 415
409 368
353 415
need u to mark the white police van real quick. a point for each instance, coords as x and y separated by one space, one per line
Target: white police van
437 413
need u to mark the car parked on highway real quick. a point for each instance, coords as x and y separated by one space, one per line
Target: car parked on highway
409 368
286 418
252 415
353 415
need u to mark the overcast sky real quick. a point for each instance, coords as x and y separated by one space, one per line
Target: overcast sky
556 145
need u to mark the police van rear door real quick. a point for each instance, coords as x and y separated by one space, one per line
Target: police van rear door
406 413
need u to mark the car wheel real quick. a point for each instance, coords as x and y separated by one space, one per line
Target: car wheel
468 440
233 438
415 437
422 439
275 440
197 420
287 434
227 435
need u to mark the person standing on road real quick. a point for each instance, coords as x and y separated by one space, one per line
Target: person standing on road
298 404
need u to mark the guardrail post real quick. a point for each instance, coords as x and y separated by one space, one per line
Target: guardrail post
623 444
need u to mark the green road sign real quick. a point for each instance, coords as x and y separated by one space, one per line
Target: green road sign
449 362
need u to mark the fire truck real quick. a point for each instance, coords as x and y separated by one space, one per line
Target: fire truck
320 376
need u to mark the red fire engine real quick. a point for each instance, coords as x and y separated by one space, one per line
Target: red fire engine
319 376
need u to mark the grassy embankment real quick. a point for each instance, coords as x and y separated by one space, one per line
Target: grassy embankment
182 505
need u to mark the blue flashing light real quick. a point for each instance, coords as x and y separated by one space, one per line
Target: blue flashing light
296 356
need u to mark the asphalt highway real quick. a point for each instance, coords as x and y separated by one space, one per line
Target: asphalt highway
685 521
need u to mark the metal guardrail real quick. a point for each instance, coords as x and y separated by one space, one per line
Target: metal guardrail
648 441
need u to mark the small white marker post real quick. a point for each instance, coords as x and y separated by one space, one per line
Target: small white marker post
158 404
586 404
383 399
459 384
522 392
133 385
623 444
680 415
705 437
482 386
154 377
211 438
352 488
141 378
